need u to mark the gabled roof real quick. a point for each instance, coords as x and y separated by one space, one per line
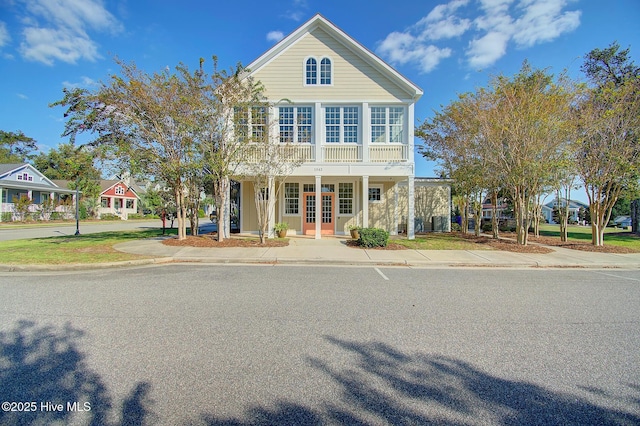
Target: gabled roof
319 21
107 184
7 169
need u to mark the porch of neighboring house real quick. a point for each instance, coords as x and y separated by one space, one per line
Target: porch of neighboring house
62 203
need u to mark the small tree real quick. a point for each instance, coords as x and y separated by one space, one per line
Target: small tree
47 207
21 207
274 162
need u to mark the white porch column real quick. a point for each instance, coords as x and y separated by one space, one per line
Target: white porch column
2 202
396 209
410 133
272 207
318 207
317 132
411 214
366 132
365 201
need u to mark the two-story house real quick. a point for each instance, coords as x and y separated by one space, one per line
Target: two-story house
351 118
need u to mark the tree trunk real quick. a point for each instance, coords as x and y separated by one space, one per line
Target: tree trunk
494 215
221 191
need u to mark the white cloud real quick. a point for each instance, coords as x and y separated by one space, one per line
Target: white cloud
58 30
402 48
543 21
4 34
488 49
85 82
275 36
22 96
489 26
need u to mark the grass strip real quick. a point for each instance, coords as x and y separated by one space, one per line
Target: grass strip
86 248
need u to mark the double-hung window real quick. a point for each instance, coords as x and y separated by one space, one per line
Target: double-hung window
387 124
341 124
291 198
345 198
296 124
250 122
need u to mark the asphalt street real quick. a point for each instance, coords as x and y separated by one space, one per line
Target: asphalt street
235 345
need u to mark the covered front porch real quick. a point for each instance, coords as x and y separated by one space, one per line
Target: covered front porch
320 206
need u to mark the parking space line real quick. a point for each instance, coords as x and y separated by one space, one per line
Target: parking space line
381 274
617 276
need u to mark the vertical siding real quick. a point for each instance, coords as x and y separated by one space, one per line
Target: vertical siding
353 78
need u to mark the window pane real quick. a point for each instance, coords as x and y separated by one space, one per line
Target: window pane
312 71
291 198
378 115
345 198
309 187
286 124
377 134
325 71
304 124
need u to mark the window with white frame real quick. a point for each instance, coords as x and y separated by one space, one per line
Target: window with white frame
387 124
296 124
291 198
250 122
130 204
311 72
25 177
325 71
375 194
345 198
119 190
341 124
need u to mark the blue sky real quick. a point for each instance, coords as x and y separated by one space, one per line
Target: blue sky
444 47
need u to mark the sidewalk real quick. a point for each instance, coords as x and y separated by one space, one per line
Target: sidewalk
334 251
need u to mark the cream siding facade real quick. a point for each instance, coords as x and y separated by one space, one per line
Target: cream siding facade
360 151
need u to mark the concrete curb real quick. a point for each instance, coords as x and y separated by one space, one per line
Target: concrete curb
300 262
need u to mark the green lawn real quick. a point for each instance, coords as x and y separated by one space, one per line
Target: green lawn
88 248
438 241
612 236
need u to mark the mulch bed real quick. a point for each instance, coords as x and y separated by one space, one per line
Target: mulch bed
209 240
581 245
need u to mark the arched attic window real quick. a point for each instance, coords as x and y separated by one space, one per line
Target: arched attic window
311 68
325 71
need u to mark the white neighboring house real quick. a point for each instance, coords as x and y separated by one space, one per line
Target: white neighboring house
351 118
574 208
22 179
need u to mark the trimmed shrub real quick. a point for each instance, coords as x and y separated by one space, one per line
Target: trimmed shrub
109 216
455 227
373 237
7 217
135 216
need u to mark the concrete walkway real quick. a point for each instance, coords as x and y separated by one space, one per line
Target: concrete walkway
334 251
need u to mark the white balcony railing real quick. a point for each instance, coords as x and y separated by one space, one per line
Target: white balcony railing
330 153
341 153
293 152
388 153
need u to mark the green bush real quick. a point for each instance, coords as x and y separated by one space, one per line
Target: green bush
455 227
201 213
7 217
135 216
55 216
373 237
82 211
109 216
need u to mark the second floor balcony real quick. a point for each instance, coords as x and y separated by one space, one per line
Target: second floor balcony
331 153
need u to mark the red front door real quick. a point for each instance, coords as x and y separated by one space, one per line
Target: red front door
327 213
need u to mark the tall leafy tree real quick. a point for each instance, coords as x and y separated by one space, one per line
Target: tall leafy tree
608 151
511 135
68 162
16 147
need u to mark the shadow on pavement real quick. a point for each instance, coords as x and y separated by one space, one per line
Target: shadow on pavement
385 386
43 365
